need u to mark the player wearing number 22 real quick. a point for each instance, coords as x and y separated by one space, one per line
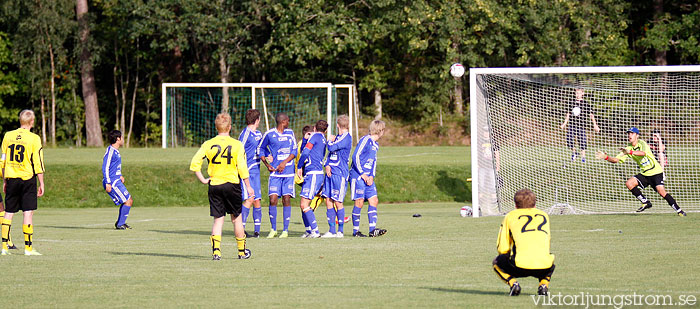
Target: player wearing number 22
652 173
227 167
22 163
523 245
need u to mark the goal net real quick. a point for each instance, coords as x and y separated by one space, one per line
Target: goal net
521 137
189 109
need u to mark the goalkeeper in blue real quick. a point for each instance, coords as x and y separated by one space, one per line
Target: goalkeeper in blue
651 172
113 181
315 151
277 150
250 138
337 173
362 186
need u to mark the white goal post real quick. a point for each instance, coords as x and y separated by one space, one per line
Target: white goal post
528 131
246 95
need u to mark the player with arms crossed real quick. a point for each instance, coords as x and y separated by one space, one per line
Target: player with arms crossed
113 181
339 148
250 138
276 151
527 229
652 173
227 166
364 166
315 151
22 163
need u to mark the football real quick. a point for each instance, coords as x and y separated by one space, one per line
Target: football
457 70
465 211
576 111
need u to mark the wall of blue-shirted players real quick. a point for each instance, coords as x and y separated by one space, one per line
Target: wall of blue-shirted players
320 176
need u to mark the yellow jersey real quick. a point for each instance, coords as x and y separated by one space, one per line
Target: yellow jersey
525 235
227 161
22 154
648 165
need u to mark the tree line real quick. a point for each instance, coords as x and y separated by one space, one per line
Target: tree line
89 67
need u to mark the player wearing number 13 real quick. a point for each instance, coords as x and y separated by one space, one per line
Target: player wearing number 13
227 167
523 245
22 164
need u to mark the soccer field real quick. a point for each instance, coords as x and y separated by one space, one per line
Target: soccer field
437 260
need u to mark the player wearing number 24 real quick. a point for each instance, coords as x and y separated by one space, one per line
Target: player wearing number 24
527 229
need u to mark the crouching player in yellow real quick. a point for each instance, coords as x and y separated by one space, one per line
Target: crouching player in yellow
527 229
227 164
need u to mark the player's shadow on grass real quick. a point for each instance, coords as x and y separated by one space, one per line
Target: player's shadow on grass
178 256
184 232
453 186
465 291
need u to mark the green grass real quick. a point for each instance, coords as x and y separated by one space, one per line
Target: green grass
438 260
161 177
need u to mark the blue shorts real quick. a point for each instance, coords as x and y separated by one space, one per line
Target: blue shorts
334 187
254 180
576 134
361 191
119 193
312 185
281 186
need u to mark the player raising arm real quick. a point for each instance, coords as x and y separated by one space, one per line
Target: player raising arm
339 148
227 166
22 163
364 166
652 173
527 229
314 150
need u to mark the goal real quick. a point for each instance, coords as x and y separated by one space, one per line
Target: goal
189 109
519 140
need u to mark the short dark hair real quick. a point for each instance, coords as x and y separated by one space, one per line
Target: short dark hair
321 126
306 129
251 116
524 198
281 117
113 136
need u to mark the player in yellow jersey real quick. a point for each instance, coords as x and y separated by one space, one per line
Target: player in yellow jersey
652 173
527 229
227 166
22 163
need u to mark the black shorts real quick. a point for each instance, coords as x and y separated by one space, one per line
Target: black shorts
225 199
504 262
576 134
20 194
653 180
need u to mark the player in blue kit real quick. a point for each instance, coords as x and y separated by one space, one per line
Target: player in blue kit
113 181
250 138
315 151
364 166
335 183
277 149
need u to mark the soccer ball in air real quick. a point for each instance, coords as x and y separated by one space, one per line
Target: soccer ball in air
465 211
576 111
457 70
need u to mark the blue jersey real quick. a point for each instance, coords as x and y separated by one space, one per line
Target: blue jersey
315 151
111 166
339 154
251 141
280 146
364 159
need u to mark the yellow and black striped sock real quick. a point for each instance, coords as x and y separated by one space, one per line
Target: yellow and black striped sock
504 276
28 230
5 232
545 281
215 244
10 244
240 243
